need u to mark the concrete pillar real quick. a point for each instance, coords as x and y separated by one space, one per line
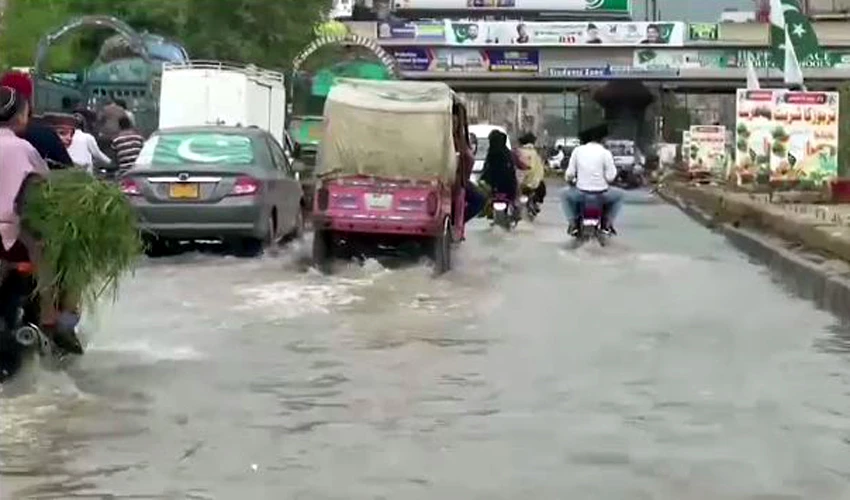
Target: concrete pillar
625 103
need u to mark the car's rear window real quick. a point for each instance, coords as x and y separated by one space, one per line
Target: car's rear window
197 148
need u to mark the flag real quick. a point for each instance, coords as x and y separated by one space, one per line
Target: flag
752 77
791 73
791 31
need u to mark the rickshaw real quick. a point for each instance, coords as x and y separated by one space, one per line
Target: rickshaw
389 171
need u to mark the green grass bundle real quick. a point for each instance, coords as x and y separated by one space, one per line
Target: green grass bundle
89 234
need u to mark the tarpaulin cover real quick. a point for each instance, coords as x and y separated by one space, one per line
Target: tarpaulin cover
389 129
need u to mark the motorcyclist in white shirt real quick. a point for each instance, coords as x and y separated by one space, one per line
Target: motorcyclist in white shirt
592 169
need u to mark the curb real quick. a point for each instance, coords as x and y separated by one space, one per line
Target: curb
820 280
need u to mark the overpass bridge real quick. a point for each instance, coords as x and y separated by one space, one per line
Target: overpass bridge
556 56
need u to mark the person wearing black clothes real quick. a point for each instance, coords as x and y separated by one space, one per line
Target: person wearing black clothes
43 138
499 167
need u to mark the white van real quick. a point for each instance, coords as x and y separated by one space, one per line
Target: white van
482 144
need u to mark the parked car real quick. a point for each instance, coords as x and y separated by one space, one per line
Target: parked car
233 184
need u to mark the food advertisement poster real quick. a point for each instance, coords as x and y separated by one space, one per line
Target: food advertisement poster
793 136
707 149
466 60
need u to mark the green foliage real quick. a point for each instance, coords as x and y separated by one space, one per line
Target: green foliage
268 33
89 233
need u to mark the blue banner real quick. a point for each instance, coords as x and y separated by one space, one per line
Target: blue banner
466 60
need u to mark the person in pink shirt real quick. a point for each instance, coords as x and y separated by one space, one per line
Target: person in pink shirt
21 164
19 160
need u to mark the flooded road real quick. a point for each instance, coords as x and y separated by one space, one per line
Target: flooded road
664 367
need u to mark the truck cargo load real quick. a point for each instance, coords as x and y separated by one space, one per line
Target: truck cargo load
197 93
394 129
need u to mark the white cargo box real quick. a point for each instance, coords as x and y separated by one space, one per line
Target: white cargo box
197 93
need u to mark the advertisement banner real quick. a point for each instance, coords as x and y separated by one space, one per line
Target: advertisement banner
707 149
534 33
466 60
610 72
793 136
606 6
703 32
731 58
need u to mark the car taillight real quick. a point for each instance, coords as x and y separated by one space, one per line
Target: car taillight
245 185
130 187
431 203
322 199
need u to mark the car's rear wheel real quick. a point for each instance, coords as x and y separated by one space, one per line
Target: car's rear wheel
441 249
254 247
323 251
298 231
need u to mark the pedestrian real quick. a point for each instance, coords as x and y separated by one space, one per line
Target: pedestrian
127 144
84 149
107 121
123 105
43 138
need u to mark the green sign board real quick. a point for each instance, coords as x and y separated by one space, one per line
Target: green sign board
613 6
703 32
731 58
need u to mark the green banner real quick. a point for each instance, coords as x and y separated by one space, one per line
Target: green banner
731 58
702 32
617 6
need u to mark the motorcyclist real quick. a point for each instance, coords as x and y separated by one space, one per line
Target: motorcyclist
42 137
21 165
532 183
592 169
500 167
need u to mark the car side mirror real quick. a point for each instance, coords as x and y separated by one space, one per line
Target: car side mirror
296 151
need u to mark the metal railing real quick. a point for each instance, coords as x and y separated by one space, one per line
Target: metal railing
250 70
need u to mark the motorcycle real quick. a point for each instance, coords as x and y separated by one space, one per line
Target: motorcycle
530 208
21 339
504 212
590 224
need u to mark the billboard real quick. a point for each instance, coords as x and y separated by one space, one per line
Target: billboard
600 6
533 33
466 60
791 135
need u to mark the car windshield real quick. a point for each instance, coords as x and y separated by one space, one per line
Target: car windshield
192 148
621 149
306 131
483 146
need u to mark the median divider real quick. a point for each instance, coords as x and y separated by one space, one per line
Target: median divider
807 245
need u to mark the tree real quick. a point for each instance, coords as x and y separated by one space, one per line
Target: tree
268 33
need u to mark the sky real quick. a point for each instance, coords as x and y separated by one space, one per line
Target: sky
692 10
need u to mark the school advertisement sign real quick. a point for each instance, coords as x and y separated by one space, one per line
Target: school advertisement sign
466 60
793 136
533 33
731 58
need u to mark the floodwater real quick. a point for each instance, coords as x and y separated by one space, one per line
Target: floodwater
667 366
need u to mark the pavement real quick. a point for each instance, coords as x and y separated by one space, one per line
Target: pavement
666 366
820 227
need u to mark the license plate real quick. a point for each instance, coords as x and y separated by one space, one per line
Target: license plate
590 222
379 201
500 206
184 191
